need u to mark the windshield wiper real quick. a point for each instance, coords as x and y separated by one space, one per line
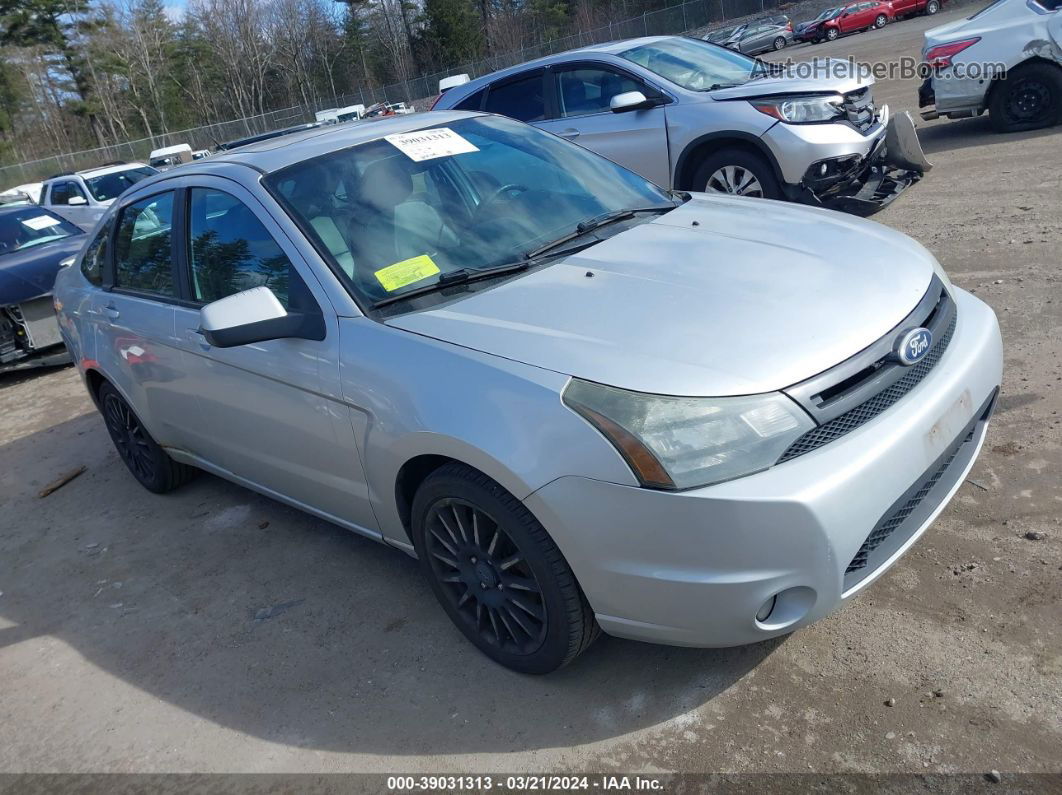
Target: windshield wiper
460 276
590 224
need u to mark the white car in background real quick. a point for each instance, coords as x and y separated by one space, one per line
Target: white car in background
1024 37
30 190
81 197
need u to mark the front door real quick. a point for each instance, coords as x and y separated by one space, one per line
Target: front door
68 199
270 412
635 139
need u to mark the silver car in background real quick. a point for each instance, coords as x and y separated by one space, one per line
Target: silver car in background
690 115
581 401
754 39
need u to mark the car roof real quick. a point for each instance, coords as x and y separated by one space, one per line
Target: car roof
274 154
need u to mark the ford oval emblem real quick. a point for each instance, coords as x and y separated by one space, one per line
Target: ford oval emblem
913 345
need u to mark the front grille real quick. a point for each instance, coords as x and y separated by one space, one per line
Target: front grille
869 409
886 528
859 108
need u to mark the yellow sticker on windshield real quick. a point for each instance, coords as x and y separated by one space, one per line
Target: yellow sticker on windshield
406 272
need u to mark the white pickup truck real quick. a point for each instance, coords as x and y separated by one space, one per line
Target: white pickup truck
81 197
1006 59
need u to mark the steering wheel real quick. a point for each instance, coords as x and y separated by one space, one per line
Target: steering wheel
507 191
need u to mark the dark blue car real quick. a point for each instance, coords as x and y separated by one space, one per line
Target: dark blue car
33 243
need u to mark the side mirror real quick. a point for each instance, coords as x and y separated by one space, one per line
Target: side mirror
255 315
76 201
631 100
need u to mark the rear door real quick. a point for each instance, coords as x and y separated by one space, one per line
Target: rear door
580 111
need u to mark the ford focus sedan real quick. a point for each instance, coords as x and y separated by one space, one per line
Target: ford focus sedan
582 402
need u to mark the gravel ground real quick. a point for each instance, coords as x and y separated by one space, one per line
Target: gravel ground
129 639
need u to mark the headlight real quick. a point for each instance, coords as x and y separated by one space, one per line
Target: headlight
801 110
679 443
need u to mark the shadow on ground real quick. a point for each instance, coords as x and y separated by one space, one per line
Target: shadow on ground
263 619
967 133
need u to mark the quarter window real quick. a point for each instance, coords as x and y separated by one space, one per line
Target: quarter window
590 90
472 102
521 99
144 246
231 250
96 254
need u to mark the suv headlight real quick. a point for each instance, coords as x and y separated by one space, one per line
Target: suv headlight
801 110
680 442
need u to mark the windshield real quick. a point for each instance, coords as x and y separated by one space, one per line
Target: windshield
110 186
693 64
399 214
30 226
829 13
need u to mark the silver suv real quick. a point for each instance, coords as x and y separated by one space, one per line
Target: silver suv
691 115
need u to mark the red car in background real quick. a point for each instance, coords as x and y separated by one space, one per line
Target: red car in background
856 17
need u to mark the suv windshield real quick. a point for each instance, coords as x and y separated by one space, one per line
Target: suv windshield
30 226
693 64
110 186
410 211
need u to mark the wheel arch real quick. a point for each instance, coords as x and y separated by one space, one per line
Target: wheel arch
700 148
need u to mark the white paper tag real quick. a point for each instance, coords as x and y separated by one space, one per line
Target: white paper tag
429 144
40 222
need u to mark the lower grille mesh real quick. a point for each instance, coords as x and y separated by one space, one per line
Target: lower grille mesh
868 410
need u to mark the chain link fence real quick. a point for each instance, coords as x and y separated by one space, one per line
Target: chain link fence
666 21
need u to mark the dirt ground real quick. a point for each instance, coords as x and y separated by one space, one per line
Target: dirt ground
216 630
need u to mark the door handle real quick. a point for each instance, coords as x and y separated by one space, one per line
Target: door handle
570 134
111 312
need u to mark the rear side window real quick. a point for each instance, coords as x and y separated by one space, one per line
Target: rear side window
521 99
96 255
231 249
62 192
143 258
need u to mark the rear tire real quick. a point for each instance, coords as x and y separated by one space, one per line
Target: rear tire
498 574
146 460
932 7
881 21
1029 99
727 172
779 43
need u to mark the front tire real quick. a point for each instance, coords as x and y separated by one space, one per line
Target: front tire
932 7
832 34
142 455
1029 99
498 574
737 172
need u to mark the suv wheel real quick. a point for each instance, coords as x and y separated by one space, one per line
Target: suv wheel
932 7
881 21
737 172
1030 98
832 34
149 463
498 574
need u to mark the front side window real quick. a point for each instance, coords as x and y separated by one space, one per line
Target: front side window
391 222
63 192
590 89
693 64
231 250
29 225
521 99
144 246
110 186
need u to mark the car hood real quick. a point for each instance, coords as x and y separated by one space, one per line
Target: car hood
29 273
722 296
826 74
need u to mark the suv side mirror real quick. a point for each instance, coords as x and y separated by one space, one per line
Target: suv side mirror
256 315
631 100
76 201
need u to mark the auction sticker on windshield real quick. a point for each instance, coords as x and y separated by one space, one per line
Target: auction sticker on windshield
406 272
40 222
429 144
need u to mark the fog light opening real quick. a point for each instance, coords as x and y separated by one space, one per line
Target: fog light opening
767 609
786 608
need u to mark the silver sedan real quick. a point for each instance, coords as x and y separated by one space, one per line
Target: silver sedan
759 38
583 402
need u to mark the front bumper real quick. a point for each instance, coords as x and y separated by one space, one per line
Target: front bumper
864 172
694 568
